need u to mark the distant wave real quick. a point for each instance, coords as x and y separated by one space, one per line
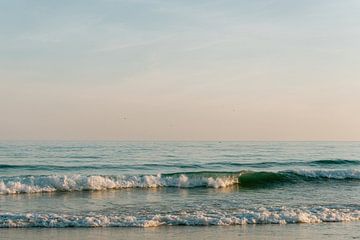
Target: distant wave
51 167
336 162
280 215
321 162
68 183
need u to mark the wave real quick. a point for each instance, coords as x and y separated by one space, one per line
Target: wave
321 162
281 215
50 167
335 162
68 183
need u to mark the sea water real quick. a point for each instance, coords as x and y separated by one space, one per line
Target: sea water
148 184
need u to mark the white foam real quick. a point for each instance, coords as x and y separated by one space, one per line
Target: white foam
199 218
37 184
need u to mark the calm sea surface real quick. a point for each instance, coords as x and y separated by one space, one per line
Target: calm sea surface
145 184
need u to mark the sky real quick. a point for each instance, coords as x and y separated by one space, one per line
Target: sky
180 70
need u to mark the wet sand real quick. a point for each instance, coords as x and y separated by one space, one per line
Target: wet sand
337 231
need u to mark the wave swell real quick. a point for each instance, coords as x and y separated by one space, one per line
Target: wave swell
51 167
68 183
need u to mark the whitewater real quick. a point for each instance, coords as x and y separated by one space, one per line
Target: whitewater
151 184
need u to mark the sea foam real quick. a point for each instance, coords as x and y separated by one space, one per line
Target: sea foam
37 184
280 215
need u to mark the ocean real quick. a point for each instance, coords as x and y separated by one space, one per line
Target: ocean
122 185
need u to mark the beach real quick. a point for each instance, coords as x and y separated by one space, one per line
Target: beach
334 231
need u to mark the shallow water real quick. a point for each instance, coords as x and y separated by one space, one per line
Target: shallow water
336 231
147 184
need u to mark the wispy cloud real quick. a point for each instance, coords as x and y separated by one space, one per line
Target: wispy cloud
116 46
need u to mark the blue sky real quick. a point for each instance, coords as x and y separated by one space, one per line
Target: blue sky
180 70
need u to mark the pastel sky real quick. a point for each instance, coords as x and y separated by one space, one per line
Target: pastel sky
180 69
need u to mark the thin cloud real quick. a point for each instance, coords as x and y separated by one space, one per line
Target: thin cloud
121 46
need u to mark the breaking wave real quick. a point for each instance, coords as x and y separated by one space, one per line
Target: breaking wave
281 215
68 183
